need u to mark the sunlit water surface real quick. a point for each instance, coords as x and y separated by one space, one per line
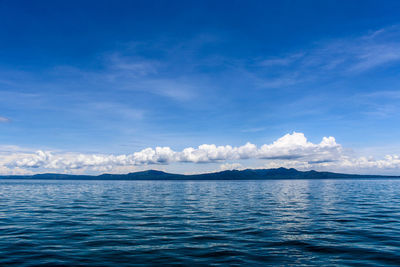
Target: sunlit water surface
278 222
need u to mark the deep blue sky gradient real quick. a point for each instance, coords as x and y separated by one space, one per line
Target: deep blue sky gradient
119 76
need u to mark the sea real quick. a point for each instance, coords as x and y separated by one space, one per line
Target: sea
200 223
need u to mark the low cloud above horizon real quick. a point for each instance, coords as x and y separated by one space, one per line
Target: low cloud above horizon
291 150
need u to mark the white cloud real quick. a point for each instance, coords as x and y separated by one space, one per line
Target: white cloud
230 166
291 150
390 164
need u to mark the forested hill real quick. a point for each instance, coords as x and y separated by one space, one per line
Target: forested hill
248 174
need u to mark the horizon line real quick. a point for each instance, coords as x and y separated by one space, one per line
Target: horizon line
200 174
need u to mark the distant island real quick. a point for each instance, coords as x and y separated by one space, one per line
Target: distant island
248 174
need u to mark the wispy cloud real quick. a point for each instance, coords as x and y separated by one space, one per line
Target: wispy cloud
174 89
130 66
4 119
382 104
347 56
171 75
281 61
113 109
372 56
253 130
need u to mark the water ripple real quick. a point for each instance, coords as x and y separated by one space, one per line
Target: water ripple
125 223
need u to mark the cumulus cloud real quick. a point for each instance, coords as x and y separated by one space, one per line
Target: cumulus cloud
390 164
290 146
291 150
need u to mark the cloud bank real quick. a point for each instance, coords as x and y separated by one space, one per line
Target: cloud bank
291 150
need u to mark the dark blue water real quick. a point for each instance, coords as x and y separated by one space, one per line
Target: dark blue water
281 222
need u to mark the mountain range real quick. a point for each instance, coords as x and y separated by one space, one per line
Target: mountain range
248 174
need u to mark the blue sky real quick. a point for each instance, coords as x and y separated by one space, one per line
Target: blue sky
108 79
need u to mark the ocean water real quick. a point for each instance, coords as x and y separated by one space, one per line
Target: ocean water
124 223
